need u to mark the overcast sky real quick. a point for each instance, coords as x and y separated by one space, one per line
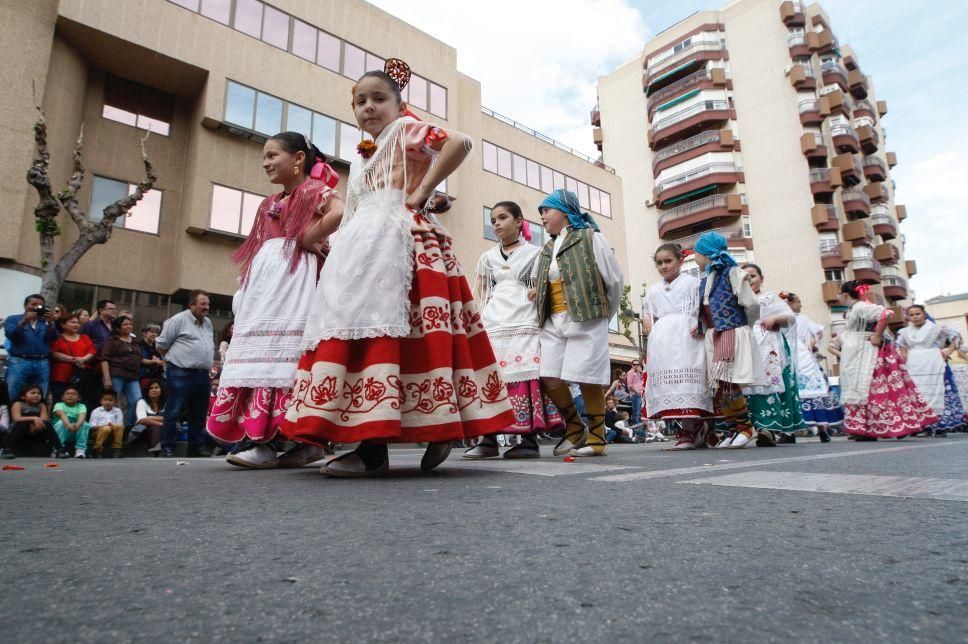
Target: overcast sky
538 62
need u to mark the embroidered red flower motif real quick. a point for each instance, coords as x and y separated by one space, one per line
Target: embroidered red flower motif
466 387
373 389
366 148
324 391
443 391
435 315
493 388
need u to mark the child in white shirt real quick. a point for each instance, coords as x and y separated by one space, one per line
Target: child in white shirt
107 420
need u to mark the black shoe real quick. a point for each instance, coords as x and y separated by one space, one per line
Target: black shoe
62 453
167 452
824 436
7 455
786 439
94 453
940 433
865 439
117 454
200 452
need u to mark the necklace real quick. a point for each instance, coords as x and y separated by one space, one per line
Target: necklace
510 246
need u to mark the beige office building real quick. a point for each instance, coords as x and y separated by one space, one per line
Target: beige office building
212 79
754 120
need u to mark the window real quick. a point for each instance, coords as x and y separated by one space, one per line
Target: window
547 182
490 157
268 114
438 100
374 62
354 61
191 5
606 204
537 233
143 217
327 52
582 194
520 169
559 181
303 40
233 211
504 163
299 119
488 229
275 28
571 185
349 137
594 199
137 105
418 92
747 226
217 10
248 17
240 105
324 134
534 175
834 275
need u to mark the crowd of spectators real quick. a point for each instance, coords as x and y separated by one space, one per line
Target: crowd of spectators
87 387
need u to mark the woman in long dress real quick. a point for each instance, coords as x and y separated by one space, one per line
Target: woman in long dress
511 322
676 387
923 344
774 406
880 398
819 404
395 346
279 264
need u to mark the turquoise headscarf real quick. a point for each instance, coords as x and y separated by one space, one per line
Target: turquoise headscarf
713 245
567 202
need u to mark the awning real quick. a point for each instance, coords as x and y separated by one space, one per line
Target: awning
676 101
691 193
672 71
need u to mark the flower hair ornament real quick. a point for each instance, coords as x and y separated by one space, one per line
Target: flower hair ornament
862 290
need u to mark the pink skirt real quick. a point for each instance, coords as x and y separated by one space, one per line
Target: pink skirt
241 412
533 411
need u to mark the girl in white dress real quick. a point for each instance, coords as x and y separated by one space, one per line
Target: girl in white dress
511 322
676 388
821 407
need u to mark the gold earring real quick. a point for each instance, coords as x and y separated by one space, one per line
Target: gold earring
295 169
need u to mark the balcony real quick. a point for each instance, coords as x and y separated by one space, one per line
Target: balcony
703 79
864 108
701 210
831 292
711 174
839 103
597 137
824 217
836 255
849 61
895 287
857 83
826 43
596 117
845 138
869 138
866 270
877 192
667 69
791 13
850 168
685 122
900 212
884 225
813 147
874 168
832 73
823 181
813 111
887 254
881 108
859 233
733 234
803 77
911 267
856 204
891 158
802 44
708 141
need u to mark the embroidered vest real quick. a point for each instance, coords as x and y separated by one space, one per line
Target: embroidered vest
724 308
583 287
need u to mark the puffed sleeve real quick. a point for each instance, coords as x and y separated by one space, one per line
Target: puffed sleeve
610 271
423 139
740 281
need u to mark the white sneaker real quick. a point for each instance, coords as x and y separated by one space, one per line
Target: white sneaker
301 455
80 454
260 457
724 444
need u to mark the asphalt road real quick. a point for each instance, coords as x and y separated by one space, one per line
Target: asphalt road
642 545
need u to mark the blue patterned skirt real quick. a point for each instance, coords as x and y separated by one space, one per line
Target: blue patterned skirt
954 412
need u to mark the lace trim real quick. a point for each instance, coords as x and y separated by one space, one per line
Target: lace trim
254 382
357 333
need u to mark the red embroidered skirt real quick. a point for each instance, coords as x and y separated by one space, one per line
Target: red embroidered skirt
439 383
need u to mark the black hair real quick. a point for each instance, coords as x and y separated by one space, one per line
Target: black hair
70 388
850 288
917 306
102 303
755 267
34 296
26 388
293 142
110 393
668 247
385 77
194 295
116 324
511 207
161 399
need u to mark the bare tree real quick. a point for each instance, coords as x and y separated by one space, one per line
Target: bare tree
55 271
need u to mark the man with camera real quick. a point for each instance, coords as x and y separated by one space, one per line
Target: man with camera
30 336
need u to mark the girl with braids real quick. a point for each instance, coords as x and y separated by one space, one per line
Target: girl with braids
880 399
676 387
511 321
395 346
280 262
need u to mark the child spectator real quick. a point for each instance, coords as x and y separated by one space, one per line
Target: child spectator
150 413
71 421
31 421
107 420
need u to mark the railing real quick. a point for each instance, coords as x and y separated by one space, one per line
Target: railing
654 65
701 171
873 160
546 139
797 6
830 250
709 136
689 112
834 67
683 83
808 71
880 209
881 219
699 205
794 40
809 105
868 264
818 138
893 280
731 233
820 174
856 195
843 130
864 104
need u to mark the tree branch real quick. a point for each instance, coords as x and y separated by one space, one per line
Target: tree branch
48 207
122 206
68 196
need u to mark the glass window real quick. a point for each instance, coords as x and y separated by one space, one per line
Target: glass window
120 116
438 100
547 181
303 40
571 185
349 138
250 206
747 227
582 194
537 233
105 192
268 114
534 176
218 10
226 206
248 17
188 4
324 134
299 119
145 214
606 204
594 199
240 105
504 163
354 61
559 180
153 125
488 229
418 92
137 105
327 53
490 157
275 28
520 169
374 62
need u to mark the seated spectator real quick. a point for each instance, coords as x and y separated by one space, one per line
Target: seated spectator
71 422
31 423
4 417
611 412
106 421
619 389
620 432
150 415
29 336
72 360
121 364
152 364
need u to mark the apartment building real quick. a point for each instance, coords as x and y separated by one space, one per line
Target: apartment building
212 79
755 121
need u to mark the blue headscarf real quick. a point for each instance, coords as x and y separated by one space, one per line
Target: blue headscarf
567 202
713 245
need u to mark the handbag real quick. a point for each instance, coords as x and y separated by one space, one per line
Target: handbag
79 377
